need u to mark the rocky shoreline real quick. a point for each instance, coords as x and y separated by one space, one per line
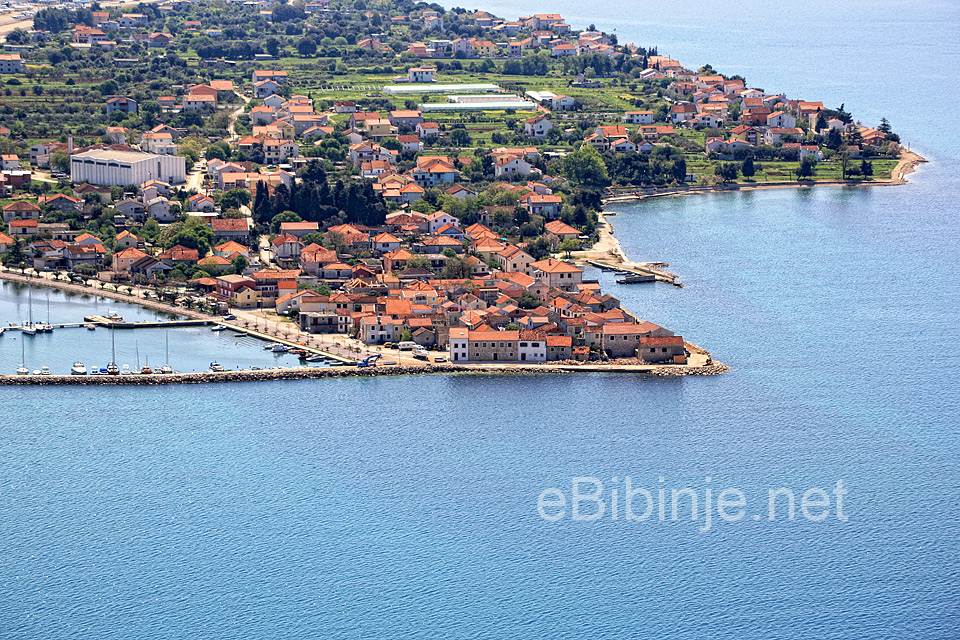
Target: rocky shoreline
309 373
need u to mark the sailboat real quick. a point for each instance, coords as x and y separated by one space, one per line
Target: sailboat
146 370
28 329
22 369
166 367
46 327
112 368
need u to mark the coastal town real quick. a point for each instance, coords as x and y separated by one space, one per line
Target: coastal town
402 177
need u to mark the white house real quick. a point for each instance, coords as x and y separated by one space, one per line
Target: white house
537 127
511 165
781 119
638 117
421 74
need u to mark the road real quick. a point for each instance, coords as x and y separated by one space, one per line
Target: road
195 177
236 114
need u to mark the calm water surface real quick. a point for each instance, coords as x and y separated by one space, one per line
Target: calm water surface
406 507
190 348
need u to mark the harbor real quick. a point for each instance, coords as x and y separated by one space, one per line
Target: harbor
139 337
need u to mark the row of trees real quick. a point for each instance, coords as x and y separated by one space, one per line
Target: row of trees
315 200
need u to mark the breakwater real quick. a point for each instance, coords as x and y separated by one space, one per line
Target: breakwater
306 373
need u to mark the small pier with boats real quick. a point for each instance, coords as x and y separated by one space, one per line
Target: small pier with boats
635 273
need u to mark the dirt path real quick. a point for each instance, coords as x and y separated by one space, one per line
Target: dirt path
236 114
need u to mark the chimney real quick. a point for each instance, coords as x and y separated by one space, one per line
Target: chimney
69 145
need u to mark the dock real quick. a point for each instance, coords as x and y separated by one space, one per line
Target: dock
109 323
637 273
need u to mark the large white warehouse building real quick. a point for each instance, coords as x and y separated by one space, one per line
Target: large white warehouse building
121 168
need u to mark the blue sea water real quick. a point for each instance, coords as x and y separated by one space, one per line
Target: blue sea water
407 507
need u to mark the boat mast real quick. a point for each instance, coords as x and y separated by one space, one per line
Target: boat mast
113 347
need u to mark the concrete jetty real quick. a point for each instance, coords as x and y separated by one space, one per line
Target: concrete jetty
643 272
307 373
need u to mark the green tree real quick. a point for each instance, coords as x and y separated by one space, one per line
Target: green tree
569 245
307 47
239 264
418 262
585 167
748 169
406 336
280 218
866 168
193 233
528 301
60 161
219 150
235 198
15 254
727 171
460 138
807 168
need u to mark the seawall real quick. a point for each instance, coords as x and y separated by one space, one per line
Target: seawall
309 373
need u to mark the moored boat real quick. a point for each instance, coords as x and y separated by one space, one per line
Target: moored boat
112 368
216 367
78 369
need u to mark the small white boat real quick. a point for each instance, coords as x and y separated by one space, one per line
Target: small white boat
1 331
125 370
219 327
22 369
279 348
78 369
216 367
112 368
28 330
45 371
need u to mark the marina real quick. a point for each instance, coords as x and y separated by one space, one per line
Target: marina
181 344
